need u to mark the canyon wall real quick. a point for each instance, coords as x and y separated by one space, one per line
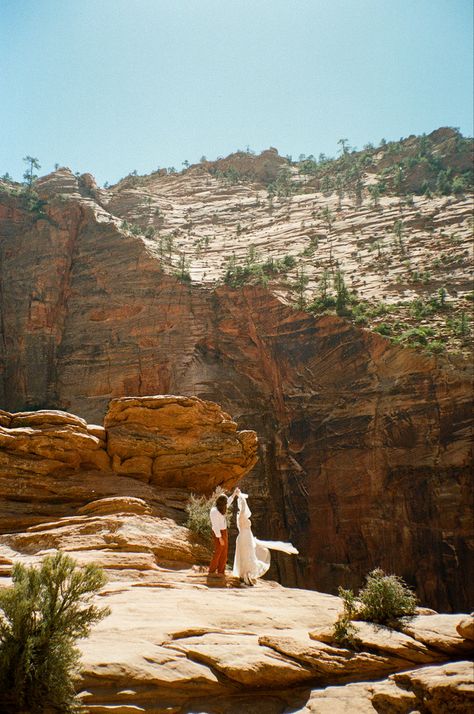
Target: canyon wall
364 446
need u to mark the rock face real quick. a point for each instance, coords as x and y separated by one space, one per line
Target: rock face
178 640
178 440
51 461
364 446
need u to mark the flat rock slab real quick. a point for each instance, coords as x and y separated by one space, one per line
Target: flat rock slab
438 689
439 632
384 640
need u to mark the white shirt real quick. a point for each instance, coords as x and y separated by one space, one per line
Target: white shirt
219 520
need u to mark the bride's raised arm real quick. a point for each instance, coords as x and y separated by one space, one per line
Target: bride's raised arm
230 499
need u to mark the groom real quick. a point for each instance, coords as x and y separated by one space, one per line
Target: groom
219 533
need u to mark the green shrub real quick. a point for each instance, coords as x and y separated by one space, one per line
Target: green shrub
289 261
377 310
184 276
436 346
198 508
344 633
385 598
43 613
198 522
460 326
416 336
383 329
322 303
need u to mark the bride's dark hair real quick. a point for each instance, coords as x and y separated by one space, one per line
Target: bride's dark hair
221 504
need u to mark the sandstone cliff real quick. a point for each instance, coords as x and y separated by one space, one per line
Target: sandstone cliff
364 446
177 641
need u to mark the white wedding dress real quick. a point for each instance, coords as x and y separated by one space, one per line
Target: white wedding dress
252 556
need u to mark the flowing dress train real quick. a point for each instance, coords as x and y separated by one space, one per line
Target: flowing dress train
252 556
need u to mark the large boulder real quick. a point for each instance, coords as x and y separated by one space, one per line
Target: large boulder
157 448
184 441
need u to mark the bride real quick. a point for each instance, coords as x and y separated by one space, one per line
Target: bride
252 556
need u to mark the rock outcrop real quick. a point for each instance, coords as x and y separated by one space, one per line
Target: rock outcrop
180 642
178 440
177 640
52 462
364 446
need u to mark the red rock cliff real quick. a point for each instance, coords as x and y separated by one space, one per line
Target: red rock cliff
364 447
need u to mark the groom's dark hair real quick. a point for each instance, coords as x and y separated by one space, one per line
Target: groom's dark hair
221 504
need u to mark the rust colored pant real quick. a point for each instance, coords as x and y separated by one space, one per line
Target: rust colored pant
219 559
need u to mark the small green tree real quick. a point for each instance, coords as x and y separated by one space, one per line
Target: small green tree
328 217
459 184
399 179
340 186
344 144
182 272
374 191
301 283
32 164
324 284
443 183
326 184
442 297
168 244
357 185
44 612
398 230
342 293
283 183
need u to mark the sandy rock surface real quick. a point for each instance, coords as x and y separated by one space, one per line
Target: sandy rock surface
178 640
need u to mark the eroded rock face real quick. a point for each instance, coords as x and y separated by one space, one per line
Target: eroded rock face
178 440
364 446
52 462
178 640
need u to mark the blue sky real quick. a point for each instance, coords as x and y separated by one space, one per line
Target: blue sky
111 86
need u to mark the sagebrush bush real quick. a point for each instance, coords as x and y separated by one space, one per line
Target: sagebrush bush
42 615
385 598
344 633
198 522
198 508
